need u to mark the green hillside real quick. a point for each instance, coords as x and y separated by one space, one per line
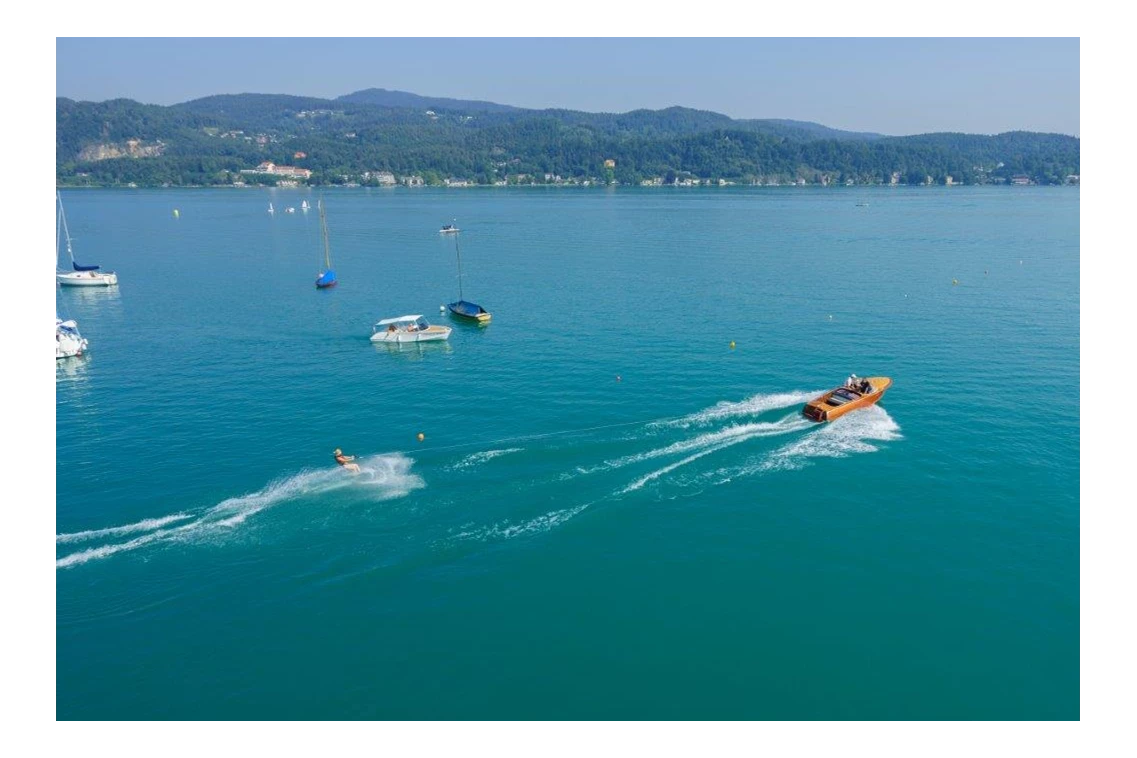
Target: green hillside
352 138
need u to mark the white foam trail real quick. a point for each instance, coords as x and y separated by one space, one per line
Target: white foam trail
106 550
505 530
671 467
487 455
850 434
390 474
731 433
146 525
751 406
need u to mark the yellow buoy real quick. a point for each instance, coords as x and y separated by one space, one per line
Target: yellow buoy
421 436
954 282
732 344
176 214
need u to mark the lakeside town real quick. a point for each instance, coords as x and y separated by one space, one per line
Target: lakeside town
268 173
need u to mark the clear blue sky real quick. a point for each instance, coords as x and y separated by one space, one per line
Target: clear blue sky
892 86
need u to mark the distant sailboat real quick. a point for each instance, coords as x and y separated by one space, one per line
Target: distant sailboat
304 206
80 276
271 210
327 277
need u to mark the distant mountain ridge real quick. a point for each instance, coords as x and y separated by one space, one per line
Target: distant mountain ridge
350 138
397 99
265 111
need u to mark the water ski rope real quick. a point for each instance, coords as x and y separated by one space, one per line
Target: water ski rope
521 438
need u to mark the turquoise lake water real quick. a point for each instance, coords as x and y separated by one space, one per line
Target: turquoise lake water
613 513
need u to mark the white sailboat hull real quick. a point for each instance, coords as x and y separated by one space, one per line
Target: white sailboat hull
429 334
87 278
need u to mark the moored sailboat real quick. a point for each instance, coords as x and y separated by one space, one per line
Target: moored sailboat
462 308
80 276
327 277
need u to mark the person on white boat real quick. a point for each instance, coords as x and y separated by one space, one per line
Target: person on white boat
346 461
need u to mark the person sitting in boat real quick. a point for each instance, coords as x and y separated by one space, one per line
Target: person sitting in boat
851 382
390 327
864 387
346 461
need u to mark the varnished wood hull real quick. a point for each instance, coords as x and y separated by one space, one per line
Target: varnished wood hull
821 408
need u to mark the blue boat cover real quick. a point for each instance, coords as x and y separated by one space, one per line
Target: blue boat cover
466 309
77 267
327 279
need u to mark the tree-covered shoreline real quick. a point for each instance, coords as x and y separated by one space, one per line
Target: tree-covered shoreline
375 138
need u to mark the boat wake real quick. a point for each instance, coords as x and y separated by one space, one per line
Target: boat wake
382 477
854 433
751 406
145 525
475 459
707 442
505 530
857 432
627 467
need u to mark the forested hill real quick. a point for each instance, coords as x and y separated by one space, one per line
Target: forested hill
396 99
364 136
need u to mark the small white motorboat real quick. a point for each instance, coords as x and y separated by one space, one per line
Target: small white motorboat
450 228
290 209
68 341
408 329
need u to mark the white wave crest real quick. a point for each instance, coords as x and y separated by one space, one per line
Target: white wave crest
751 406
145 525
730 433
671 467
505 530
853 433
487 455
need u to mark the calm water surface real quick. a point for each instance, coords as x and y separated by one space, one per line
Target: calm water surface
613 514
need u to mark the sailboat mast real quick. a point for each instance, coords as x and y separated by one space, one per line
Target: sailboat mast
458 253
66 234
324 228
57 227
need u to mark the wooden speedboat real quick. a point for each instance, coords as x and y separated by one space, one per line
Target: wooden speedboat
836 403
